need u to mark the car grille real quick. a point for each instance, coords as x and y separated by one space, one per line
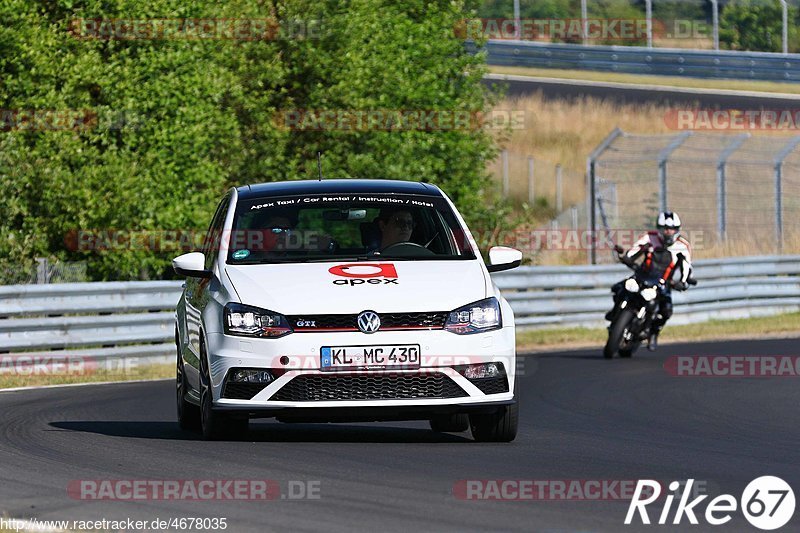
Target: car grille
311 388
491 385
389 321
242 391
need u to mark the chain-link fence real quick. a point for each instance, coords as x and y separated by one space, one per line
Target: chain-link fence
44 271
739 192
525 179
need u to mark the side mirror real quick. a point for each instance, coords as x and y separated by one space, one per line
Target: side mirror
503 258
192 264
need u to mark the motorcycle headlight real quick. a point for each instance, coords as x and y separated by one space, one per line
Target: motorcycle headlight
631 285
477 317
649 294
249 321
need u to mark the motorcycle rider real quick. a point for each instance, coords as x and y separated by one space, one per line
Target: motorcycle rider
663 252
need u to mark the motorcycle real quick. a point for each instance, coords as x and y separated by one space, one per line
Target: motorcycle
634 312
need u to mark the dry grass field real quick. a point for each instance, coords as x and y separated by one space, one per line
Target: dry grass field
565 133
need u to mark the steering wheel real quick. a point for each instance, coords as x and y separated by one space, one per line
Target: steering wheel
406 248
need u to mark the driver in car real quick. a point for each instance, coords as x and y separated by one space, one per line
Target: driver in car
396 226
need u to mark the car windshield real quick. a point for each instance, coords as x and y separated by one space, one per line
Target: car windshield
357 227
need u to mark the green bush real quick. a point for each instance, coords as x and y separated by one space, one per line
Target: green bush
177 122
756 25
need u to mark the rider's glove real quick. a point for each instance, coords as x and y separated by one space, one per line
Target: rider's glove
680 286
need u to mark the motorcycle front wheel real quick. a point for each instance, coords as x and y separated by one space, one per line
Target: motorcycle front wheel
616 334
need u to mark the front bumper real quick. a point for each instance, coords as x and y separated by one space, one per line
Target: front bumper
297 356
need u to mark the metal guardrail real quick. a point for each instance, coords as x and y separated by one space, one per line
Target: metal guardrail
642 60
738 287
89 320
135 319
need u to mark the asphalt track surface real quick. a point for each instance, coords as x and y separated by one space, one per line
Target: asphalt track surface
582 418
555 89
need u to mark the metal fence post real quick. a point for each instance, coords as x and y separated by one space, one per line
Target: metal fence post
505 174
41 270
648 6
574 212
722 197
591 198
559 191
531 189
779 158
785 27
662 167
517 29
778 206
584 23
715 22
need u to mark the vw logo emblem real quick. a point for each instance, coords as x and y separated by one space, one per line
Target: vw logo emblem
369 322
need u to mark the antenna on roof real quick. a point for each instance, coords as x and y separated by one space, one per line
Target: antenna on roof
319 164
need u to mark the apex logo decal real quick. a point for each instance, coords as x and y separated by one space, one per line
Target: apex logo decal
365 274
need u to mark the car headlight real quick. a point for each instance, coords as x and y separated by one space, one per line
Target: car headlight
477 317
649 293
631 285
249 321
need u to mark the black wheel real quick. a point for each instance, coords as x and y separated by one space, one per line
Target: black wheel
617 332
500 426
188 413
214 424
630 350
450 423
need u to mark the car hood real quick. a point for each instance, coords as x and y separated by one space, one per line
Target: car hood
345 288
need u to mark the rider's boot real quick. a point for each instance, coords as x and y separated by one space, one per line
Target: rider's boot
652 341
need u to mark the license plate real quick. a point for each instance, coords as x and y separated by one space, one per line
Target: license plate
369 357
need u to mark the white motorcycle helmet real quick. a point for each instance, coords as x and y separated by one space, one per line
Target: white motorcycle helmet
668 220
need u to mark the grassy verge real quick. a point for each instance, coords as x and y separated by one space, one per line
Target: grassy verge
748 328
155 371
642 79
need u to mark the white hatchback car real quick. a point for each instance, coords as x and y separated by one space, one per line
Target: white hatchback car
344 300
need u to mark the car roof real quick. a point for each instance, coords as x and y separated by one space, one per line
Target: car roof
338 186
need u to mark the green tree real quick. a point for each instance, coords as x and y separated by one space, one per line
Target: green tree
179 121
756 25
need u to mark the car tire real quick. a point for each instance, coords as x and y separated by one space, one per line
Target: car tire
215 425
500 426
188 413
450 423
